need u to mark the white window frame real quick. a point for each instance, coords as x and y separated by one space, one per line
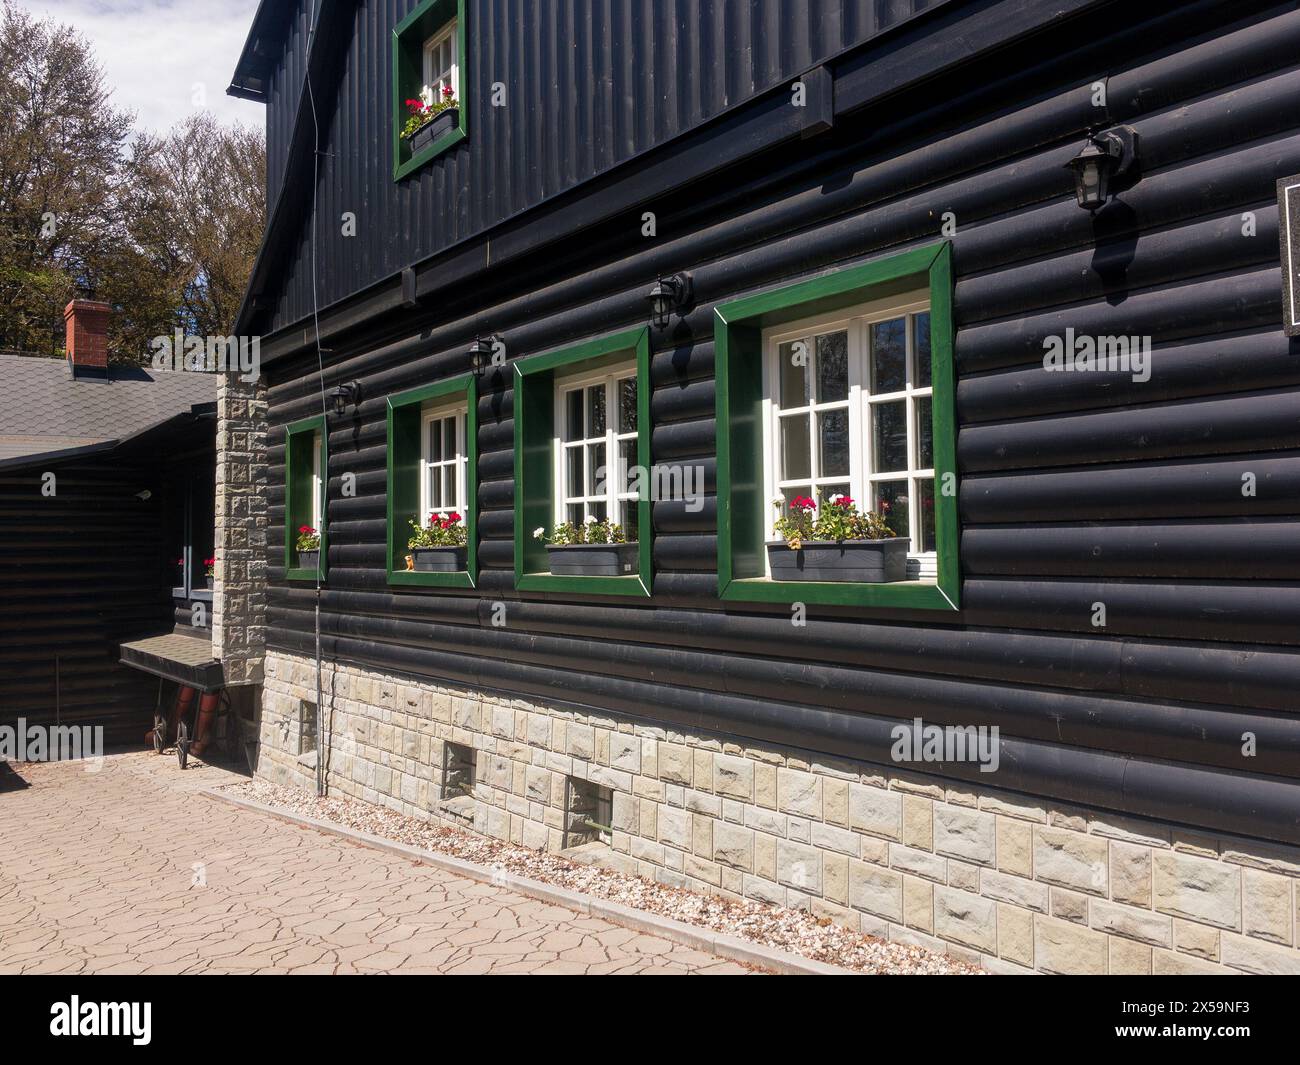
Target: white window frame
857 321
317 483
612 497
428 415
435 79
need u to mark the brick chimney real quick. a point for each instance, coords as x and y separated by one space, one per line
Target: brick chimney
87 336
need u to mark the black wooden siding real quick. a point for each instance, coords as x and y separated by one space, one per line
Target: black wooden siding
80 573
590 84
1075 488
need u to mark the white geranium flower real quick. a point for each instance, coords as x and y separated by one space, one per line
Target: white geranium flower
591 519
539 532
837 497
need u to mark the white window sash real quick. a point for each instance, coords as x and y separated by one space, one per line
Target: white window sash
459 461
441 62
612 496
317 483
862 480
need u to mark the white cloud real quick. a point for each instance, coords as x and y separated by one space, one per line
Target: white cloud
164 58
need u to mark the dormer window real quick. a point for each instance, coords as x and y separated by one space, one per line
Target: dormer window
430 112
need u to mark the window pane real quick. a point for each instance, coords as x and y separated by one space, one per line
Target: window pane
795 458
892 503
598 511
833 367
449 437
924 434
573 414
921 345
627 405
435 441
888 355
595 410
889 442
573 513
627 459
573 476
793 370
435 492
628 519
833 435
597 475
925 501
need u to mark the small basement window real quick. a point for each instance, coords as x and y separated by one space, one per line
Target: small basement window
582 426
306 464
458 771
429 55
433 471
306 727
589 814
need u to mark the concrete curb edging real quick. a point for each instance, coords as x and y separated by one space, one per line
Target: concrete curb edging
733 948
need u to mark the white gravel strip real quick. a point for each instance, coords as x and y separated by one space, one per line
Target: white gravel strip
778 927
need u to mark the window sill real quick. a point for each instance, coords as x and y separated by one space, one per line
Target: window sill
297 573
408 578
447 141
911 595
548 582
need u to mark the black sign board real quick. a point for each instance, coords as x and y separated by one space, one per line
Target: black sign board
1288 217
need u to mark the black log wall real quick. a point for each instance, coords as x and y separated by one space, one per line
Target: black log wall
81 572
1075 488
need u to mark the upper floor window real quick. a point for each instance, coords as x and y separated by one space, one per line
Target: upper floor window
848 412
597 448
430 112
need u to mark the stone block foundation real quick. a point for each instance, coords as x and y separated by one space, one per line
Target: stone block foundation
1009 881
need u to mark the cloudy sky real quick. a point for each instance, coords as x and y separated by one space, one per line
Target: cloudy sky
161 56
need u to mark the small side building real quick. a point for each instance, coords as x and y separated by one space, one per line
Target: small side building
106 527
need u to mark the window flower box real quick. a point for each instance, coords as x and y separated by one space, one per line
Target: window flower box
309 559
860 561
835 542
444 559
592 560
443 122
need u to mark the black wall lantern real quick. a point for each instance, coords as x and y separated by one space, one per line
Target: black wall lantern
482 351
667 295
344 395
1103 158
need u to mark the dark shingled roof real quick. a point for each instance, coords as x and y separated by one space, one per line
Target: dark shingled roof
44 408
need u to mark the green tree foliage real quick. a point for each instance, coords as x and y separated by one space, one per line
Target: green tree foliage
165 228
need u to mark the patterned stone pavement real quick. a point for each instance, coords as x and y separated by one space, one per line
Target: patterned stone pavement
128 870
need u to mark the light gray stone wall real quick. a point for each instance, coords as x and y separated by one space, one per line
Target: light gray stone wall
239 598
1015 883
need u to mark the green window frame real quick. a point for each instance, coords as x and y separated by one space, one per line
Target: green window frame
298 456
409 36
534 411
405 419
744 512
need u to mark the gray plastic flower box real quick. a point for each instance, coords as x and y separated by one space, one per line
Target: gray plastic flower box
853 561
592 560
309 559
442 122
441 559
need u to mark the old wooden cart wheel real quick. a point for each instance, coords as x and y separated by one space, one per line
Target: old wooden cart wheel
183 744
